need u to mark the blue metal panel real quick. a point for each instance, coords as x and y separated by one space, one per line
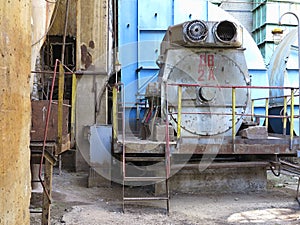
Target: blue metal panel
261 111
127 26
154 18
259 78
127 21
190 10
149 45
155 14
146 76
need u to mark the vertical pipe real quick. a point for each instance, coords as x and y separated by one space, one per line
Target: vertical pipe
61 84
292 118
252 110
297 18
284 114
73 105
46 132
167 150
179 112
267 113
115 113
233 112
65 32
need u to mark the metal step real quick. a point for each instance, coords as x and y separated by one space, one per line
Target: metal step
144 198
127 179
145 159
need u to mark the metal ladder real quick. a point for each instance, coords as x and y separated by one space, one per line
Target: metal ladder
144 179
163 157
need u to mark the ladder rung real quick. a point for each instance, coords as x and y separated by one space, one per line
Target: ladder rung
144 198
144 178
146 159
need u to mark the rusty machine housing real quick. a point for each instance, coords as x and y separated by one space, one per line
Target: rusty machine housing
203 96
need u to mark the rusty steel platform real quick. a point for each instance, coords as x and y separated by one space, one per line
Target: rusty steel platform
279 145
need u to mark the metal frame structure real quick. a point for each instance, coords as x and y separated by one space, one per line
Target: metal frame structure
252 115
274 145
125 142
49 152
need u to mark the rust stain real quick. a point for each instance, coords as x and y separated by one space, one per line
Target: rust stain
86 56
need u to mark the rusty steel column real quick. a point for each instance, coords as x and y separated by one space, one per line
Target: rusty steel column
15 111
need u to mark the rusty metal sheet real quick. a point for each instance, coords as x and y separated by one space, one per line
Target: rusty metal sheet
38 121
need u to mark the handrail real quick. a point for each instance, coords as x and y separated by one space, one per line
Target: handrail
179 111
46 132
234 114
229 86
47 124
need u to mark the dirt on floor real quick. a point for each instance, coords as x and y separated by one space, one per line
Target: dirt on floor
75 204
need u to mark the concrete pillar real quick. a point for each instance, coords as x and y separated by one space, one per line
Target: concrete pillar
92 55
15 55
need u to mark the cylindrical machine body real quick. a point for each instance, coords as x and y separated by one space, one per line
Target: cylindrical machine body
210 70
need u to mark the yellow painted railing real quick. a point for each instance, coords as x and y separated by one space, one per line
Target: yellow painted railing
179 112
252 114
233 112
115 111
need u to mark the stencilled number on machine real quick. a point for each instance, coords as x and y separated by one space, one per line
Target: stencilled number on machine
206 63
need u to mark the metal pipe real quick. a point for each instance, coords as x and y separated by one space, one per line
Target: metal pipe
297 18
230 86
252 110
267 113
233 118
65 33
61 82
167 150
179 112
78 72
292 119
284 115
274 97
46 132
73 105
115 112
230 114
85 72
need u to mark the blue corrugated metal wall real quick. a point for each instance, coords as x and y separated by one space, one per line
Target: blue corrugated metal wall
141 28
142 25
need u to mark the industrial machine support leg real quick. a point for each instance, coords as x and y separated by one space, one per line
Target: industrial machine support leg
48 184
